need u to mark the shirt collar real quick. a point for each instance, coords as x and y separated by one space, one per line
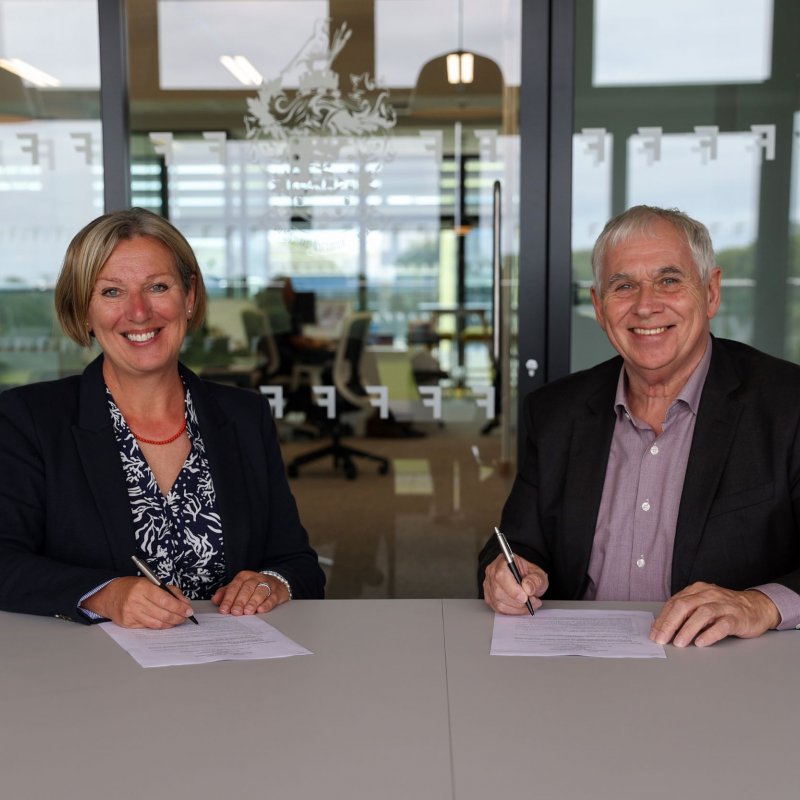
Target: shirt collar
689 394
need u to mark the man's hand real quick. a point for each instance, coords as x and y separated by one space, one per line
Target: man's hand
705 613
504 594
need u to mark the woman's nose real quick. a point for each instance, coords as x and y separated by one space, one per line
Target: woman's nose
138 306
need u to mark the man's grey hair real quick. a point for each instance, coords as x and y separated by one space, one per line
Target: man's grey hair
639 220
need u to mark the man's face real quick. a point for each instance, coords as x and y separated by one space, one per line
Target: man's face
653 306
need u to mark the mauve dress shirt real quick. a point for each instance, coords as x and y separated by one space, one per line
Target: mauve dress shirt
631 556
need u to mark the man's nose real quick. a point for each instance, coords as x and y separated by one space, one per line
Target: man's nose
648 299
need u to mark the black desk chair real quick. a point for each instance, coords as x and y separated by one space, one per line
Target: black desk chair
350 396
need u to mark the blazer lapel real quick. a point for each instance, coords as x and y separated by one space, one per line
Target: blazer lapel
589 448
99 456
717 419
226 465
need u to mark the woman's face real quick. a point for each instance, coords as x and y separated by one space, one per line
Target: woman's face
139 310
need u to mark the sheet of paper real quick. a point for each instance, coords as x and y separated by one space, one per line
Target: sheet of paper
218 637
564 632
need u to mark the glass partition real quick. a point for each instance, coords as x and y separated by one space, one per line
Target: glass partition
323 143
712 131
51 175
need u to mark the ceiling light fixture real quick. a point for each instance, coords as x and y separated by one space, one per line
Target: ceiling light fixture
242 70
29 73
461 63
460 67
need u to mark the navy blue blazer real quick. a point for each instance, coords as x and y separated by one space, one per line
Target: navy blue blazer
739 518
65 518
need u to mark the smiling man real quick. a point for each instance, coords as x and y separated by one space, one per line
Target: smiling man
670 473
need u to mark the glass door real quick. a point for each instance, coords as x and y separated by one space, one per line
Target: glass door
368 156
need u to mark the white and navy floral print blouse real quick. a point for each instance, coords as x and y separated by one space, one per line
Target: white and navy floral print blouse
179 534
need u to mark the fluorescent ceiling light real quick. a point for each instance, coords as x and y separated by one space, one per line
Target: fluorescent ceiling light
467 67
29 73
460 67
242 70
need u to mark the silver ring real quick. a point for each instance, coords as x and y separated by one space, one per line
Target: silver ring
269 589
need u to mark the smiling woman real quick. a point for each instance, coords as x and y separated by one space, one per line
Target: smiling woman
138 456
139 310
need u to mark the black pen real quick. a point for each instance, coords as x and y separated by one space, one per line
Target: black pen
512 565
153 578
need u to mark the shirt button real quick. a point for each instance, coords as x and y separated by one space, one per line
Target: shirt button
640 562
646 505
654 449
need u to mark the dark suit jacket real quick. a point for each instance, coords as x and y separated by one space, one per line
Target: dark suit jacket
739 518
65 518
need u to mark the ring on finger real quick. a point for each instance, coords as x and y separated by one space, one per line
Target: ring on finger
268 588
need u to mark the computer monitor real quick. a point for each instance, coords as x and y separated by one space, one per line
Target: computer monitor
305 306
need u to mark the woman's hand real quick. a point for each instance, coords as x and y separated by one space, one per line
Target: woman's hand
137 603
250 593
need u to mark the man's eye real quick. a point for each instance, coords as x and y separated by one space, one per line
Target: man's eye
622 287
670 282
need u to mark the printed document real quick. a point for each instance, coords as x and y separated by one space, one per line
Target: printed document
218 637
565 632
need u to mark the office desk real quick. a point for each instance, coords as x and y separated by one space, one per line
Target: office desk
365 717
718 722
401 699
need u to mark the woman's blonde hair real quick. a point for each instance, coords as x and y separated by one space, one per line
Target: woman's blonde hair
91 248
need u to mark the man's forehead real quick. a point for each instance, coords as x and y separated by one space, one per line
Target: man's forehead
650 251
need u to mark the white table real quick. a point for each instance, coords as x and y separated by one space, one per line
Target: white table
717 723
400 700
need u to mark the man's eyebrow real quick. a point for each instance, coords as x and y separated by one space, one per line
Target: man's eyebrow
669 269
618 276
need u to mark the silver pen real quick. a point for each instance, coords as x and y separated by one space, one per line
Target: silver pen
512 565
144 568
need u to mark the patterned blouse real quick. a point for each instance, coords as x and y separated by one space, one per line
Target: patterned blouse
178 534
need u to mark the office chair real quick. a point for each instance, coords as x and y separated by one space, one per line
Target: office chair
261 340
350 396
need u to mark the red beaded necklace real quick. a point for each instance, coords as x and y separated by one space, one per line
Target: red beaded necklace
155 441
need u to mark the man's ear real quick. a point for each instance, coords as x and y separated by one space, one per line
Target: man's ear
598 309
714 292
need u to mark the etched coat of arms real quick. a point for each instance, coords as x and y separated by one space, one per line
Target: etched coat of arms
310 129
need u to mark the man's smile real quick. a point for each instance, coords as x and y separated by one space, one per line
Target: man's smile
650 331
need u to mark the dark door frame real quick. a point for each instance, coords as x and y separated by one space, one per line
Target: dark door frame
545 259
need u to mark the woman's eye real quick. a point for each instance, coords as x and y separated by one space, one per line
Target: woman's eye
110 292
158 288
